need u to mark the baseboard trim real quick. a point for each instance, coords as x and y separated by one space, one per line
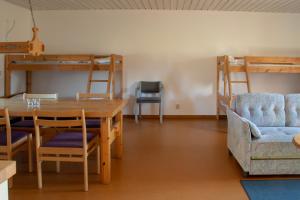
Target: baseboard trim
207 117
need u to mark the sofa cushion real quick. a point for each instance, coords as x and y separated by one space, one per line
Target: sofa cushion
292 109
275 142
263 109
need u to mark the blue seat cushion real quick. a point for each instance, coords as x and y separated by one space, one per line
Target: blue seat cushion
15 137
148 100
92 123
276 143
68 139
24 124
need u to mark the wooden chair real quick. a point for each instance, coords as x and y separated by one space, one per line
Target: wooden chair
92 123
28 124
12 141
66 146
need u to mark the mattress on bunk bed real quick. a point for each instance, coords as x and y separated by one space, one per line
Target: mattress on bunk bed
241 62
101 61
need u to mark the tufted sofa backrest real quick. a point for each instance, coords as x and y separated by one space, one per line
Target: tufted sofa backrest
292 109
263 109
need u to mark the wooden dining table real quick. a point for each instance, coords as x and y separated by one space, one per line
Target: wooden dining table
105 110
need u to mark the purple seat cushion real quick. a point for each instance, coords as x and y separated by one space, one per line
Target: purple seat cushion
92 123
24 124
68 139
15 137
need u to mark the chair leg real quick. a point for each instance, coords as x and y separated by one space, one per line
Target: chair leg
57 165
140 110
39 173
29 142
136 111
10 180
85 168
98 159
161 112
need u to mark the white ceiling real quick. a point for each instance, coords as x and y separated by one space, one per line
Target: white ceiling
284 6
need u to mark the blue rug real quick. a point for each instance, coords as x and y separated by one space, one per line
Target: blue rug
272 189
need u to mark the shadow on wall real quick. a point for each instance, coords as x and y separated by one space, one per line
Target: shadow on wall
188 82
191 85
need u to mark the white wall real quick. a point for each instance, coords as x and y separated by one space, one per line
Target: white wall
176 47
10 14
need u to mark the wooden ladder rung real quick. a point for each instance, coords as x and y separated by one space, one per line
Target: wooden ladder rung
100 81
238 81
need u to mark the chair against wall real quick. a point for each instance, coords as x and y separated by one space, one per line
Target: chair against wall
66 146
28 124
12 141
148 92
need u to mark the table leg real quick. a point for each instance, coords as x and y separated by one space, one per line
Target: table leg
119 138
28 82
105 158
7 83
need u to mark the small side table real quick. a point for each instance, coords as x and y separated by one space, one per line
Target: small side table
296 140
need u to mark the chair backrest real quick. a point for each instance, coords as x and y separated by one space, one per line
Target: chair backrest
5 121
59 119
39 96
148 87
92 96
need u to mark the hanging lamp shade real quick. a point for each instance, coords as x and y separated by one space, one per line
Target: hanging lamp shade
34 47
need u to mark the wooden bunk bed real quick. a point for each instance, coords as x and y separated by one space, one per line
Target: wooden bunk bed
226 65
113 64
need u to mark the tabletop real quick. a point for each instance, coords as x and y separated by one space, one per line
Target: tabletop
296 140
93 108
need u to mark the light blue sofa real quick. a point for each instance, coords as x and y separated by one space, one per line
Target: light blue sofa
261 128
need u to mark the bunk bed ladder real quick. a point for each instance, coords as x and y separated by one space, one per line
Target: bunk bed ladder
231 82
92 81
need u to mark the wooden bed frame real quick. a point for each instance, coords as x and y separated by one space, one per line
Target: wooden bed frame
251 64
74 63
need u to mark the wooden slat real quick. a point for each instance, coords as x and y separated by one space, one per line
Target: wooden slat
239 81
262 69
63 159
58 112
14 47
58 123
99 81
272 60
57 150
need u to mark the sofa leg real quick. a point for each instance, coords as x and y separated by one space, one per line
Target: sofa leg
245 174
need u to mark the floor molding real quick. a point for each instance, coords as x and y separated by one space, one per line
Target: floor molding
210 117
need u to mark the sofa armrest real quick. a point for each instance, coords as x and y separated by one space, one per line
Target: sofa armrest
239 139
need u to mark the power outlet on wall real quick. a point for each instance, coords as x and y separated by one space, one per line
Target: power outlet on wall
177 106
